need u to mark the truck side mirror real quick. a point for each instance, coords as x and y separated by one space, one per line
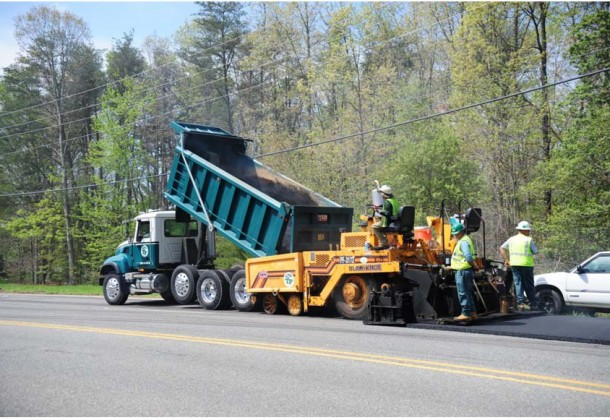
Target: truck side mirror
127 233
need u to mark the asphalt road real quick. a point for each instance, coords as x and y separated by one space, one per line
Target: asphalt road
78 356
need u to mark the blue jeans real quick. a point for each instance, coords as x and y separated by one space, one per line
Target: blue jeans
524 282
463 281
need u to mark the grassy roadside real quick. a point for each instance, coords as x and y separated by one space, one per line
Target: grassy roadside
48 289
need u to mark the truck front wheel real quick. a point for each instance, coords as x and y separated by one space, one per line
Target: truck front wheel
184 281
113 290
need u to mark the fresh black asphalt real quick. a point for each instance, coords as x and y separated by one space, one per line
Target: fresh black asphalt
538 325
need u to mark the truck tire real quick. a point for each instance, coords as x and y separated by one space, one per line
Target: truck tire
184 282
242 301
114 290
351 296
213 291
168 297
550 301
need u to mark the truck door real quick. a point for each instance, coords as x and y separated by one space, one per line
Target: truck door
145 250
170 248
591 284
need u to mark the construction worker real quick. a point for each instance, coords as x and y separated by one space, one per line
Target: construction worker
389 210
521 250
464 265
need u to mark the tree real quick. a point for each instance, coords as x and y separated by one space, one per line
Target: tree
579 169
124 60
122 165
494 55
51 41
219 31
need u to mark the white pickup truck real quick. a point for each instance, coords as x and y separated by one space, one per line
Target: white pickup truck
586 287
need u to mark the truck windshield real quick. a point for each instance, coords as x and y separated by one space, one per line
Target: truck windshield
174 229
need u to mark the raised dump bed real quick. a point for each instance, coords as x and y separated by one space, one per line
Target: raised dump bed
261 211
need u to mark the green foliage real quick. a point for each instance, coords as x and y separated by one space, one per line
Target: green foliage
123 164
431 166
124 60
591 52
579 170
43 231
332 76
579 174
228 255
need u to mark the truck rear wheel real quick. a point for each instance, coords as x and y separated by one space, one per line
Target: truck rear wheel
213 291
351 296
168 297
242 301
114 292
184 282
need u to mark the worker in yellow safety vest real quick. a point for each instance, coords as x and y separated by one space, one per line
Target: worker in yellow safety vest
388 212
464 265
518 253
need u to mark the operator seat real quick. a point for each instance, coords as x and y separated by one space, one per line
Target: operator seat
403 223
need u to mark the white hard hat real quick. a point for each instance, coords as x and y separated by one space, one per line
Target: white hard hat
386 189
523 225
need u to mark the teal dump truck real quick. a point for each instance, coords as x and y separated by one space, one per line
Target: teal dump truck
215 187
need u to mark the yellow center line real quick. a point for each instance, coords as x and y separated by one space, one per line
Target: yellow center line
482 372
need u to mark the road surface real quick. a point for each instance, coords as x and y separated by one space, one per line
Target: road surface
78 356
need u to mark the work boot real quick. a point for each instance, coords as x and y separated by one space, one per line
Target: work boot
462 317
474 316
523 307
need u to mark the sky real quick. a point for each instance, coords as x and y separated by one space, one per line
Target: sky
107 20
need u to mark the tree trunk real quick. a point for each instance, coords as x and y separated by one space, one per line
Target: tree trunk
65 193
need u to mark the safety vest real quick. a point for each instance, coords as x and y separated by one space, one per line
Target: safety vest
520 250
394 203
458 260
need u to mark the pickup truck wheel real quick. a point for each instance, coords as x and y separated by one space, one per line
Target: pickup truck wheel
550 301
213 291
113 290
184 281
242 301
351 296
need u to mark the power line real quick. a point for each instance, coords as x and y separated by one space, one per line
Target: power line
217 98
187 90
188 59
337 139
114 82
439 114
135 92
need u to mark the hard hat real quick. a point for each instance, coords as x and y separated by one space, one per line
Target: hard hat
386 189
523 225
457 228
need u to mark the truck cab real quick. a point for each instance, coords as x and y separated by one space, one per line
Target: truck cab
145 261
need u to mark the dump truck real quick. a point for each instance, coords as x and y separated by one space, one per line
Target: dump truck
303 252
216 188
